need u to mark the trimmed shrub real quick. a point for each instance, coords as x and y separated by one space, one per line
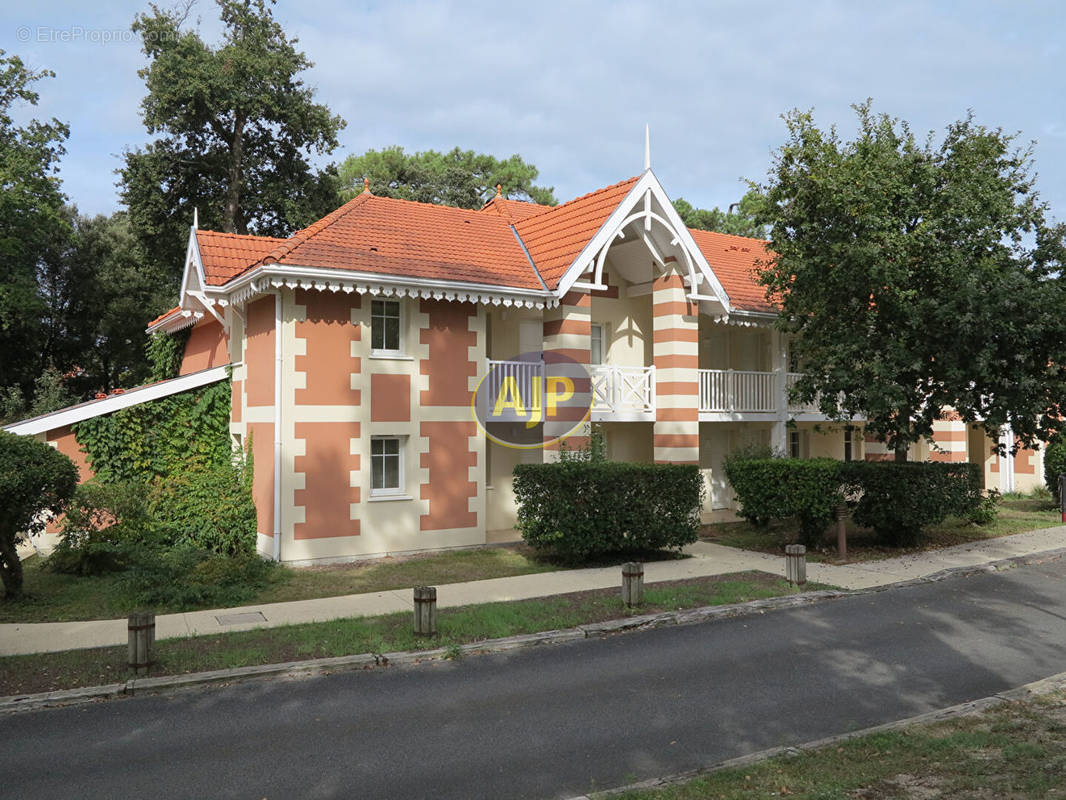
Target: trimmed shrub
898 499
1054 464
106 526
576 510
777 488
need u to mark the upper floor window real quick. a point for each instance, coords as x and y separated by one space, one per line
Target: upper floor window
596 339
385 326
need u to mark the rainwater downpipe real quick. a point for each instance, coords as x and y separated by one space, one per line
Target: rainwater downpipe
277 425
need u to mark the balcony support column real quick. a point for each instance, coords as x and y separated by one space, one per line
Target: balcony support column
676 356
779 354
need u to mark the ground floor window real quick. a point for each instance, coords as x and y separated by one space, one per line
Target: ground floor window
386 465
849 452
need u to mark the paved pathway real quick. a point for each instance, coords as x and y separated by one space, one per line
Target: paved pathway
707 559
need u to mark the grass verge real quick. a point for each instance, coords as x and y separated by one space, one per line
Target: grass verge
45 672
53 597
1015 750
1016 515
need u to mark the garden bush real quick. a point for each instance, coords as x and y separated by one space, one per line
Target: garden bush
184 577
1054 464
777 488
36 481
577 510
106 526
209 507
898 499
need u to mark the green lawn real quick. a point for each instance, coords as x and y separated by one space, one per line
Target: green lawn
1016 515
1016 750
52 597
388 633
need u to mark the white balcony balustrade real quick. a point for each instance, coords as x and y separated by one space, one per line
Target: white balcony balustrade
738 391
622 393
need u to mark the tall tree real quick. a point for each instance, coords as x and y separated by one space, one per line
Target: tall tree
743 222
236 128
31 220
459 178
916 276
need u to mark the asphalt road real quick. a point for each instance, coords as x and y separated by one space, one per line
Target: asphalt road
563 720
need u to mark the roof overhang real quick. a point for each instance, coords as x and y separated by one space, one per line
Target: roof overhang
117 402
648 203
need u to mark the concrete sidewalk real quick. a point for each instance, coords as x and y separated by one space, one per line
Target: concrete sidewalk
707 559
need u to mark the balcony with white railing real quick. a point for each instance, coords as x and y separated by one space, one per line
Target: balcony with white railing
622 394
734 391
744 394
619 393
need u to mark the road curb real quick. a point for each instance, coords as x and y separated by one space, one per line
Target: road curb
1034 689
320 666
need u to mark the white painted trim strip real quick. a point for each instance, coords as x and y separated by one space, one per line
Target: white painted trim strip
117 402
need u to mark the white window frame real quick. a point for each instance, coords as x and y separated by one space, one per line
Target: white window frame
602 328
400 490
797 441
849 444
401 320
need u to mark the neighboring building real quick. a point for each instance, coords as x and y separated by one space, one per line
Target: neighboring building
356 345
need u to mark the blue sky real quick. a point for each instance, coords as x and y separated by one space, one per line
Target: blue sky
570 85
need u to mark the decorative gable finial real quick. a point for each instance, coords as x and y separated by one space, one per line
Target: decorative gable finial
499 189
366 184
647 147
195 218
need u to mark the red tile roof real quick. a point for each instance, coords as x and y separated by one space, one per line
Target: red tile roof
514 210
226 255
414 240
733 260
164 315
556 237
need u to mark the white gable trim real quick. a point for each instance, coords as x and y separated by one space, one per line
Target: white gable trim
116 402
594 253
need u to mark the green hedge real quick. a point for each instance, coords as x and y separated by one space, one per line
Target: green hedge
582 509
896 499
777 488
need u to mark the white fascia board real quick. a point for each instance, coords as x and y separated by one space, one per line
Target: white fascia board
647 182
117 402
603 235
686 240
336 277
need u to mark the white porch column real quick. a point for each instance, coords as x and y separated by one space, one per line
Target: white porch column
779 358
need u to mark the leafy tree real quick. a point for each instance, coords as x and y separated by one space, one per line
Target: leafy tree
35 480
31 220
235 129
742 223
459 178
916 276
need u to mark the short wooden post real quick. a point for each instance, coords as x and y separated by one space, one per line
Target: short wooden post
141 627
842 532
796 564
1062 496
633 583
425 610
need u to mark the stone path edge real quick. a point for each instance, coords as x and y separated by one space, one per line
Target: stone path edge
322 666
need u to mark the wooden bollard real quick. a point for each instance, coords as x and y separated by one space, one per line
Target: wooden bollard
633 583
842 532
425 610
141 639
796 564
